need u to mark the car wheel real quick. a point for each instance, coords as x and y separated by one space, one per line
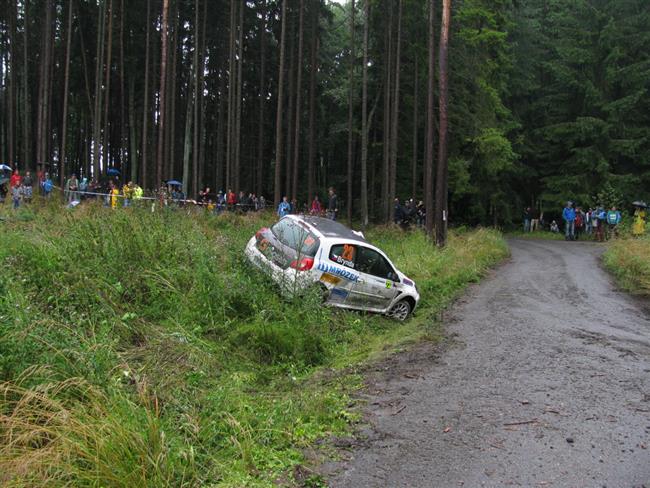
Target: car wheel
401 310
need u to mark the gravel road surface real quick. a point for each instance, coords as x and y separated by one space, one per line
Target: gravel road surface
545 381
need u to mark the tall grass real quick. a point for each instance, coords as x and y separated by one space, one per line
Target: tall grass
140 349
629 260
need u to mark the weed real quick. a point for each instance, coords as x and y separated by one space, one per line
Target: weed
140 349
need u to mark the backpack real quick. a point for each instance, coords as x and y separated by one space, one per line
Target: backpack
578 220
47 186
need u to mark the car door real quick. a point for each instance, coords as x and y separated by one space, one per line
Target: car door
338 272
375 288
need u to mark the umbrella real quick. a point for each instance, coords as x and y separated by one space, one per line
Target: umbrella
4 167
639 203
174 183
112 172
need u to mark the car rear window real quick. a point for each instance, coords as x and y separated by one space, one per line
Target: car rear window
297 237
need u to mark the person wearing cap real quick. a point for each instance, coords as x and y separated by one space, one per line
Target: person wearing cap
569 216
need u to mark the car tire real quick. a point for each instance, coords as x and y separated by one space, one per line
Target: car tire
401 310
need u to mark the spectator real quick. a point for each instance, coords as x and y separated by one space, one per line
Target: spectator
569 216
601 216
113 192
284 208
579 222
28 187
83 188
127 191
534 220
15 179
221 202
231 199
204 196
262 202
48 185
398 212
316 208
71 188
332 204
526 219
420 214
3 192
613 219
638 228
554 227
17 194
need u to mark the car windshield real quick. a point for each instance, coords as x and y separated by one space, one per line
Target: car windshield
298 238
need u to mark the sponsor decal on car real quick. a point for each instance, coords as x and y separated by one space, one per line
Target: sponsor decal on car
339 293
335 270
329 278
408 282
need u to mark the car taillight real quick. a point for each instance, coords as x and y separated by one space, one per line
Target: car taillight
258 234
304 264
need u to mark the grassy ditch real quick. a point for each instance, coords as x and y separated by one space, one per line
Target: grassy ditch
628 260
139 349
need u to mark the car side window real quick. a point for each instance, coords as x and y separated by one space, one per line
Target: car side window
344 254
371 262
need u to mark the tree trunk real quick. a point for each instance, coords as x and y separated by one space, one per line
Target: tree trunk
278 116
262 99
187 146
195 143
107 85
162 93
145 111
395 118
231 95
364 120
385 180
27 123
238 105
414 162
201 106
99 64
170 147
290 120
123 129
133 156
312 103
13 69
442 216
296 135
428 162
42 134
218 177
66 82
350 114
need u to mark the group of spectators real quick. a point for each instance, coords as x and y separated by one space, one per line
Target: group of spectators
596 223
317 208
21 188
409 213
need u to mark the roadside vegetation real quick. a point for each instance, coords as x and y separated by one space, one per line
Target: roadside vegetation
628 259
138 349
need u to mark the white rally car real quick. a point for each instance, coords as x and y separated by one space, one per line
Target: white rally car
302 251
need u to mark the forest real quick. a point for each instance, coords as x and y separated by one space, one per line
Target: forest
542 100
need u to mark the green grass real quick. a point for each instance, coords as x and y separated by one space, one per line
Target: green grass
139 348
628 259
543 234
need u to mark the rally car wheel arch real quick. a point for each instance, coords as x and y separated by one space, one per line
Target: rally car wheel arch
401 310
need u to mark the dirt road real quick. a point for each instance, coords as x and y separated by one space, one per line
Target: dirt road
546 383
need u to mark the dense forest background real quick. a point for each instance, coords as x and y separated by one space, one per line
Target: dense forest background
548 99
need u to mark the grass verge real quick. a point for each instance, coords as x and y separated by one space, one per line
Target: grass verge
139 349
628 260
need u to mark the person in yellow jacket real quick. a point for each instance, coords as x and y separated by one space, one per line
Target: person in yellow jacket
114 193
638 228
127 191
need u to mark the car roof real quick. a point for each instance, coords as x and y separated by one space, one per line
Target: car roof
330 228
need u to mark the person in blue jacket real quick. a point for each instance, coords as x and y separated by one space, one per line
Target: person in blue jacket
613 219
569 216
284 208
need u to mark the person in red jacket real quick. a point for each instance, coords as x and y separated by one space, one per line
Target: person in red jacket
15 179
231 200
